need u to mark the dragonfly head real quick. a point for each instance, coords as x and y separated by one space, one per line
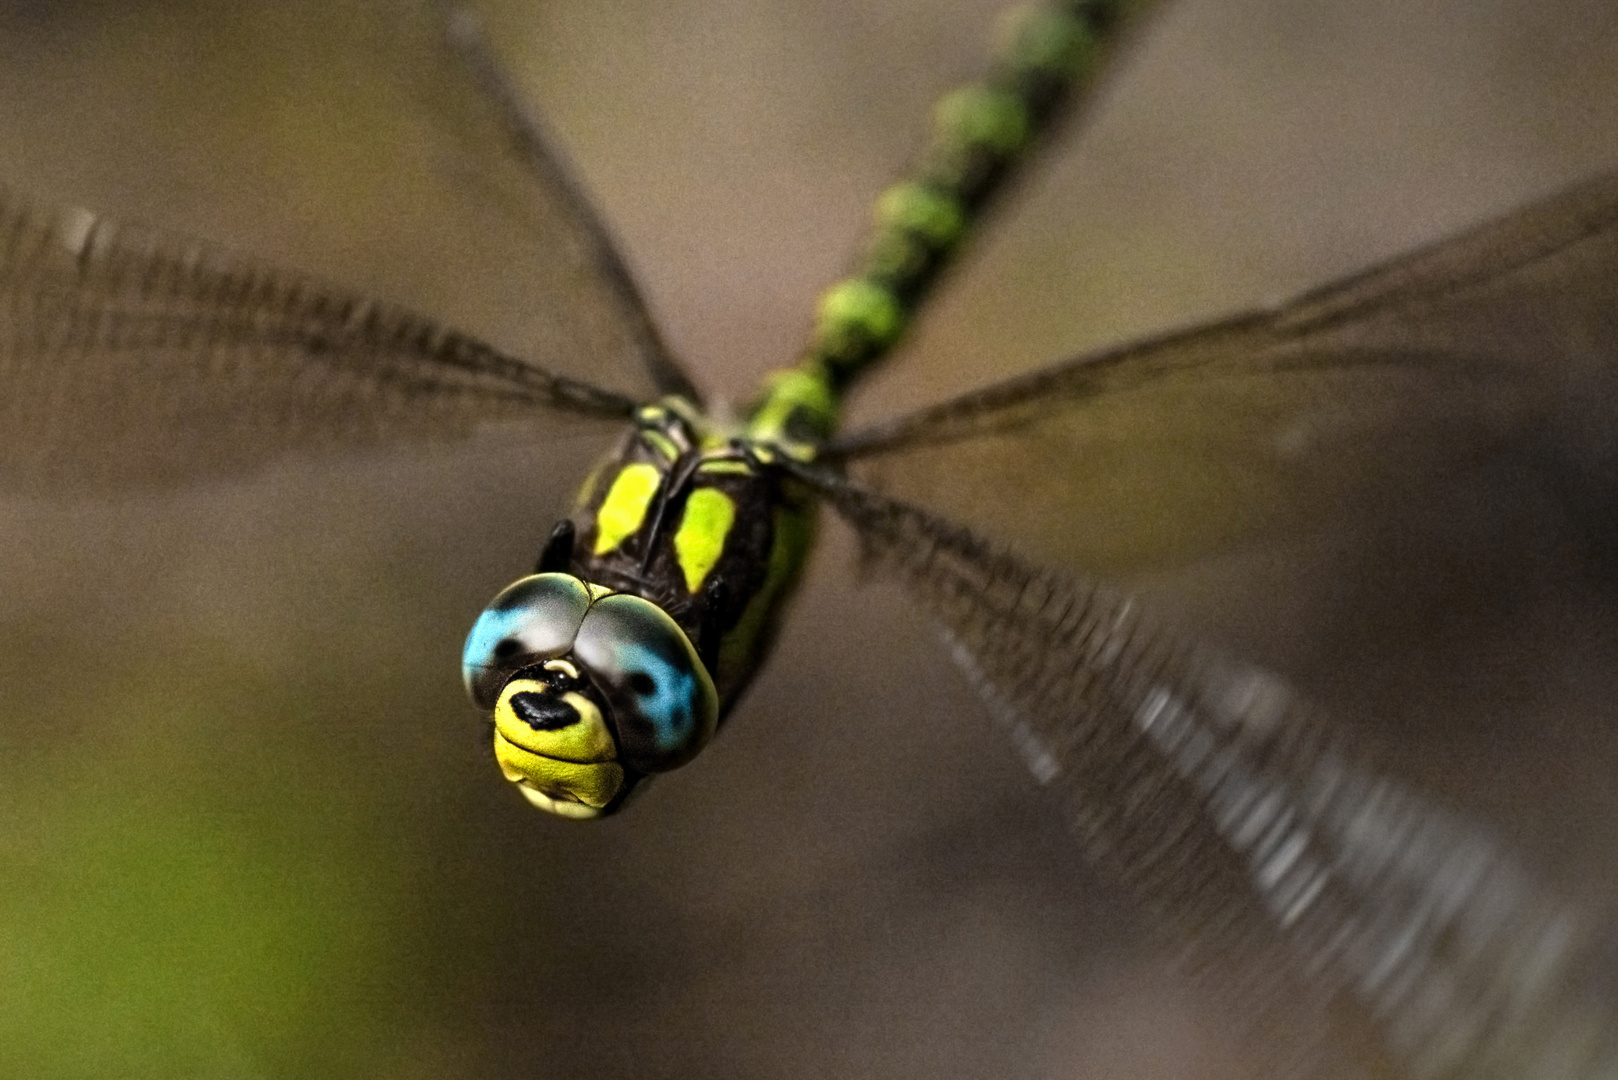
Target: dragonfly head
590 691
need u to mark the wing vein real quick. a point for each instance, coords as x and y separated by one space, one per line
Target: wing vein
129 357
1333 894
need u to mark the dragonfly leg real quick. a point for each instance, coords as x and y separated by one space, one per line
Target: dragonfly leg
711 631
557 555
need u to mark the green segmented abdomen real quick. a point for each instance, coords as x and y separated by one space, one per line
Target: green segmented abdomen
1048 50
979 130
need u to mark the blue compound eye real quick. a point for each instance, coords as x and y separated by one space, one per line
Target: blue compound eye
662 699
533 619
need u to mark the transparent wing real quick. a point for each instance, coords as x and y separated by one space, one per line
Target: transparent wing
126 357
370 144
1320 897
1157 452
562 217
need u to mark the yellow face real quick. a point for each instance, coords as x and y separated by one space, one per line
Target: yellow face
555 747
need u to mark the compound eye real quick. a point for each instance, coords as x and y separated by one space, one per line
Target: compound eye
662 700
533 619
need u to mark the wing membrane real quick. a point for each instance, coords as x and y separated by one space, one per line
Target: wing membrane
358 142
557 200
1238 814
1155 452
127 357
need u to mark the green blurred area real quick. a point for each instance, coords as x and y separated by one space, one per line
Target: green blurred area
165 916
248 824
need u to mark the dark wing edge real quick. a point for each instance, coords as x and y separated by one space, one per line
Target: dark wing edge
1238 815
128 357
1375 316
1472 259
533 146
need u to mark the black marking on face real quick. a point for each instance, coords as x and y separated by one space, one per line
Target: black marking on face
555 679
543 712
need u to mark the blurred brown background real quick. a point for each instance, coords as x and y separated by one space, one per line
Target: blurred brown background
248 823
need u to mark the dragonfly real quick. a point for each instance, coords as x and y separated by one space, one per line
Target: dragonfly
897 533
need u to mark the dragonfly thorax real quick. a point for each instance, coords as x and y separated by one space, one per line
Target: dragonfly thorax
654 608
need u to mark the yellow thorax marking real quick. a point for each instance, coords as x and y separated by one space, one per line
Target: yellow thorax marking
624 508
709 514
725 467
661 443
